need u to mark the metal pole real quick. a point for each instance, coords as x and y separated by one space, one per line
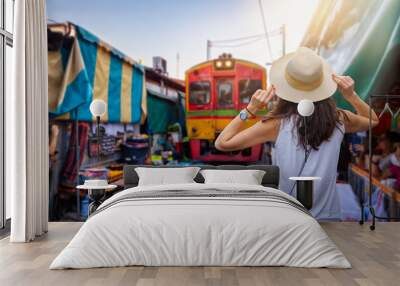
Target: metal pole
77 158
371 208
208 50
98 138
283 39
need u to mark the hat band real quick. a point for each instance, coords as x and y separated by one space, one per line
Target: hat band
302 85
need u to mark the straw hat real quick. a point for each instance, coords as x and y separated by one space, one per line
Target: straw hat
302 75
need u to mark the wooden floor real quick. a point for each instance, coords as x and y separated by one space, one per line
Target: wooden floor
375 257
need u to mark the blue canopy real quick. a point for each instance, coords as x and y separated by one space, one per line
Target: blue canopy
87 68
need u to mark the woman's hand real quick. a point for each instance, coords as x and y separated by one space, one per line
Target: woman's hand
360 120
260 99
345 86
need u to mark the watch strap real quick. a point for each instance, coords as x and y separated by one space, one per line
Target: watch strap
252 115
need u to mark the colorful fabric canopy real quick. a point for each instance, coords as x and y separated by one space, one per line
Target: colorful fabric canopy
85 68
163 113
359 38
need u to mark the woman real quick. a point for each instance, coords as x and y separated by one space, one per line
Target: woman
294 77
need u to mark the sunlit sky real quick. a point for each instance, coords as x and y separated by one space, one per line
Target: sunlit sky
143 29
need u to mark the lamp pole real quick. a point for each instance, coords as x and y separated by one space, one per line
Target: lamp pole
98 137
98 108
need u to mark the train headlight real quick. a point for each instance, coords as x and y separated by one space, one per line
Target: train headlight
224 64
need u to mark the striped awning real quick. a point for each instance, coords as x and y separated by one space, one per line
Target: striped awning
84 68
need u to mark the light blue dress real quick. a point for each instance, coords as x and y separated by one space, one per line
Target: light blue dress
288 154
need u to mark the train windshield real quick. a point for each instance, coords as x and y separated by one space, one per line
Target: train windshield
246 89
199 93
225 92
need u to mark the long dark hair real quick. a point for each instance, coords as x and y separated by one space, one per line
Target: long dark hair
320 125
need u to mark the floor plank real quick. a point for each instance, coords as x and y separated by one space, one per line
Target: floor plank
375 257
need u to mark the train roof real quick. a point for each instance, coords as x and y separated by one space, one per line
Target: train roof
211 61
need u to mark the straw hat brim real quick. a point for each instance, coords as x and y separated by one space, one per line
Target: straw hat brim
285 91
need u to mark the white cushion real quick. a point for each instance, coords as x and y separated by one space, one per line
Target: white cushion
248 177
166 176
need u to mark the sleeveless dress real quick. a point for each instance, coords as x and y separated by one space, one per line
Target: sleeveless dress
288 154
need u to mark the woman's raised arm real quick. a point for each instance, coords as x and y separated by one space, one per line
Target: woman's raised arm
359 121
235 137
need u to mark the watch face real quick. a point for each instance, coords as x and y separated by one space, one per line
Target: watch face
243 115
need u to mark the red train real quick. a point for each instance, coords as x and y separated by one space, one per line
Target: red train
216 91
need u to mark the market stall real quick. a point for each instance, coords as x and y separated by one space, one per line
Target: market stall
166 115
166 123
83 68
361 39
384 197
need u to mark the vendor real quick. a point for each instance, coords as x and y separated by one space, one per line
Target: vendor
297 76
381 156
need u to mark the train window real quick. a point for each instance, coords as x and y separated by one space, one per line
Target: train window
246 89
199 93
225 92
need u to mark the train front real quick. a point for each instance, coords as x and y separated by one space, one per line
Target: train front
216 91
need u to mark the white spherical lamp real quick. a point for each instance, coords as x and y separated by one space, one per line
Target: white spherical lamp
305 107
98 107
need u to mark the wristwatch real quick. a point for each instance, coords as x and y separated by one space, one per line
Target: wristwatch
246 114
